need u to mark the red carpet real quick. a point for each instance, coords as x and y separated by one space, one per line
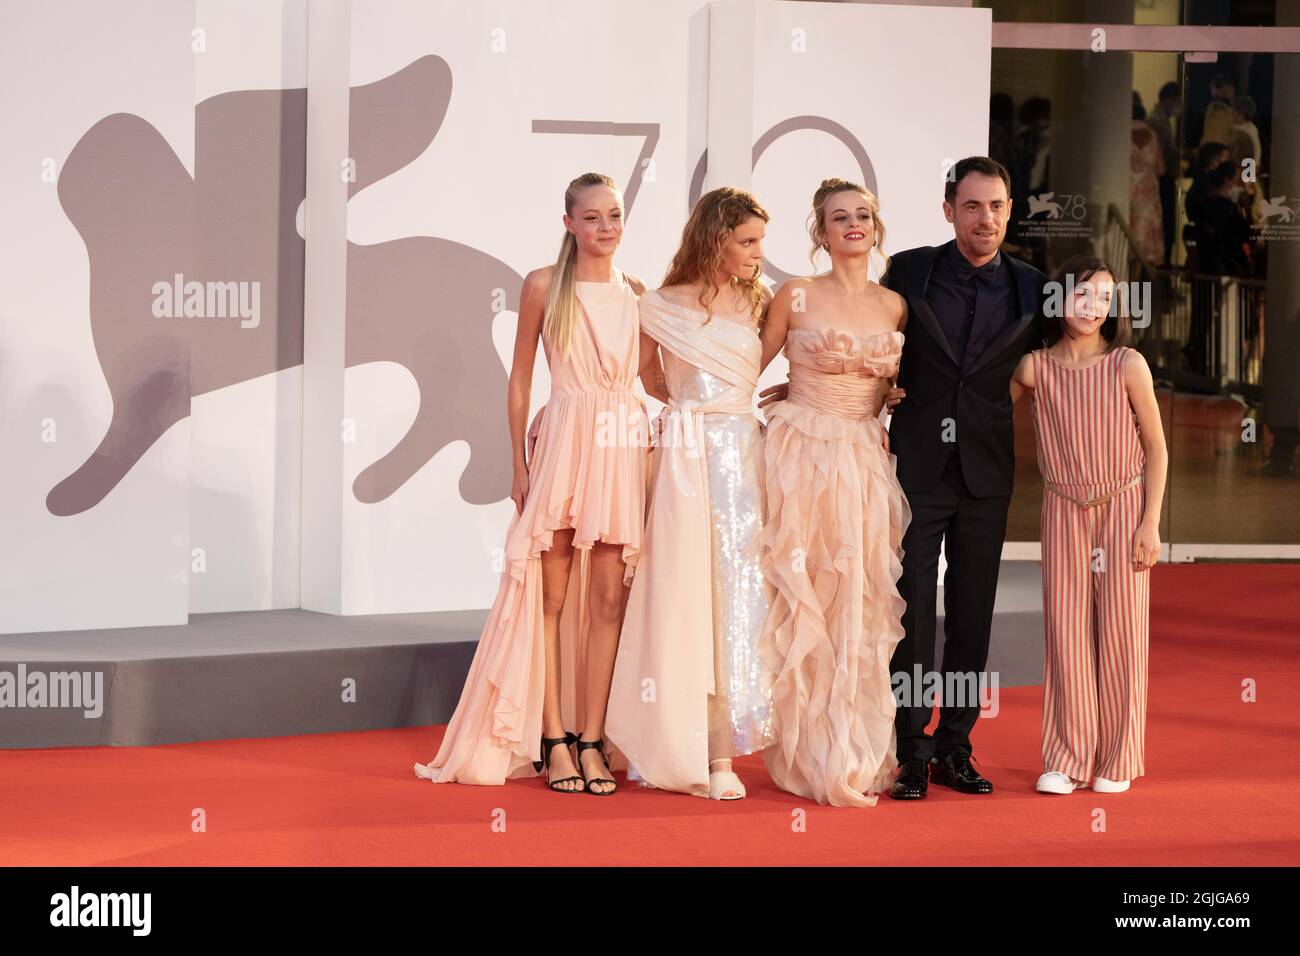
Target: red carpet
1219 787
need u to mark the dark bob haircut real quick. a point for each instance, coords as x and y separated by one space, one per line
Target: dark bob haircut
1116 330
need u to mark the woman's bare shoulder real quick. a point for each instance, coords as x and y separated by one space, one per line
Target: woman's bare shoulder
892 301
800 284
539 280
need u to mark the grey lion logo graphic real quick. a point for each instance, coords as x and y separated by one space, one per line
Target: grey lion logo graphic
422 302
1044 202
1279 207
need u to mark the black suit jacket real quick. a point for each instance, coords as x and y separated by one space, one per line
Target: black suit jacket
976 397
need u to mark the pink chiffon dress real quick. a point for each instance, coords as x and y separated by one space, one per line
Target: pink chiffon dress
588 472
832 549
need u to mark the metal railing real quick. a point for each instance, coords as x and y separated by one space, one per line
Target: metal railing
1205 331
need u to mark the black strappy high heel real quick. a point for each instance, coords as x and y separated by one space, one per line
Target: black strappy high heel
549 744
599 747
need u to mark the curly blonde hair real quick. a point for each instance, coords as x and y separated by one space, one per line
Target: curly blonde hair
817 218
699 257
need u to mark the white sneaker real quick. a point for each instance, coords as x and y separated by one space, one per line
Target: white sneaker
1056 782
1102 785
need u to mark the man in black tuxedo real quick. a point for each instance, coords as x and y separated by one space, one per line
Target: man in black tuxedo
971 313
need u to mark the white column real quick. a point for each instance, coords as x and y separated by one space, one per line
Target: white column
324 304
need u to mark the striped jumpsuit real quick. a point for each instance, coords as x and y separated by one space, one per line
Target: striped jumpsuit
1095 604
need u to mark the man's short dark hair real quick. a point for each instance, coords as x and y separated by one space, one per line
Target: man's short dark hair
975 164
1168 91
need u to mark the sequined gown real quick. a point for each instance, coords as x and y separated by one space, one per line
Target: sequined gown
689 686
832 548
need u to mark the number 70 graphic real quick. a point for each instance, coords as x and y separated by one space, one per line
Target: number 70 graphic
650 132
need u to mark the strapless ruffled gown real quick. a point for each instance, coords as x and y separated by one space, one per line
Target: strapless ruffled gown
589 472
832 549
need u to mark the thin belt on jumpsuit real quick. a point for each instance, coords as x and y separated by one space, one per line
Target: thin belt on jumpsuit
1092 502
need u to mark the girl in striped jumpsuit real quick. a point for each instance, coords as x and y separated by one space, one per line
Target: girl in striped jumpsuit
1101 452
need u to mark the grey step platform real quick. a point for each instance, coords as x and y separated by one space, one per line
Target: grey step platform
276 673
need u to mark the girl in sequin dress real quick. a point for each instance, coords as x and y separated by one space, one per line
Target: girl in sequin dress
689 690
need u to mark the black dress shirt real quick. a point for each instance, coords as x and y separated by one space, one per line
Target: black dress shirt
972 304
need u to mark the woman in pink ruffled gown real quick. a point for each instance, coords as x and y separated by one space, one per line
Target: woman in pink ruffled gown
543 664
832 543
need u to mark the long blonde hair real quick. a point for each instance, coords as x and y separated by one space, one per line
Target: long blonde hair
817 218
562 303
1219 126
699 257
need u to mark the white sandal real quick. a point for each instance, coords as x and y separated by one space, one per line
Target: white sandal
724 781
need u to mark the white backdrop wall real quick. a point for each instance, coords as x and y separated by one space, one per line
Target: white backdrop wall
125 560
907 86
433 153
534 95
246 450
152 459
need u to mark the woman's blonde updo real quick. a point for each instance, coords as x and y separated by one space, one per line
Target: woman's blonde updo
817 218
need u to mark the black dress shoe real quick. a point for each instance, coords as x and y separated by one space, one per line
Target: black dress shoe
912 781
954 770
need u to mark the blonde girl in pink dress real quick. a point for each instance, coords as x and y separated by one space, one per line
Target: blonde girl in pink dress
543 665
832 544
